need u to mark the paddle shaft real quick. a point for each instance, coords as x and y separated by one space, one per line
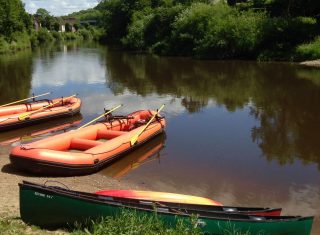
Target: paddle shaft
135 138
100 116
25 99
26 115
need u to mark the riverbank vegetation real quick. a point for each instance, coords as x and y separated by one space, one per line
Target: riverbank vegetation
210 29
247 29
19 30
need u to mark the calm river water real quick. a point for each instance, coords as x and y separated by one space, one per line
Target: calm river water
243 133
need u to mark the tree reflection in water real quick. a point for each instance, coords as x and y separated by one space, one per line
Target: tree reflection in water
284 98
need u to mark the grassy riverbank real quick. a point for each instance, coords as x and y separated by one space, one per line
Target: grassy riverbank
261 30
125 223
17 29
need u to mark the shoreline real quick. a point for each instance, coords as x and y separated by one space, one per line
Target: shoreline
311 63
9 190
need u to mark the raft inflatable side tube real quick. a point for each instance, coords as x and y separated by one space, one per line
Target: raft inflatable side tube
86 150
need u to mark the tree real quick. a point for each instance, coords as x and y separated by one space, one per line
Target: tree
44 18
290 8
42 12
56 26
68 27
13 17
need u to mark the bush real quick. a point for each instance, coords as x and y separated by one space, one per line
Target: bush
17 41
20 41
69 36
191 26
136 30
4 45
85 34
218 31
43 35
280 36
152 28
308 51
57 36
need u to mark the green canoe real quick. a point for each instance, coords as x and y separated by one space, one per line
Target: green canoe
53 207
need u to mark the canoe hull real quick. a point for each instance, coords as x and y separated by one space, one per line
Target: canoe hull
46 207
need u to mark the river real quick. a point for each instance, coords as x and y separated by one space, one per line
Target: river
242 133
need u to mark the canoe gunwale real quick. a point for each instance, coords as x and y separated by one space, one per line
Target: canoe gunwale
175 205
228 216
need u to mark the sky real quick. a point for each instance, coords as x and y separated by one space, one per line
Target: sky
59 7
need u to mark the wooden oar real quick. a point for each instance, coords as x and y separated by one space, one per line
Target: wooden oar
111 110
26 115
25 99
134 139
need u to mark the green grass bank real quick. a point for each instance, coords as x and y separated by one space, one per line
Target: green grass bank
125 223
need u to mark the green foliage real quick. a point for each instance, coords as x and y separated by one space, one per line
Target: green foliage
19 41
158 34
13 18
117 16
57 36
42 12
210 29
89 14
217 31
289 8
4 45
135 38
191 26
133 223
68 27
44 36
71 36
308 50
280 36
85 33
56 26
152 28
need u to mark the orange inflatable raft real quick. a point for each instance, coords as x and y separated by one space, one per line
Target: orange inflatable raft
87 150
14 116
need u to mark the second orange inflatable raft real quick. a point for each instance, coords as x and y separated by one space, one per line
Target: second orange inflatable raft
86 150
18 115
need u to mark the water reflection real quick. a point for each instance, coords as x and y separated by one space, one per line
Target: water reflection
15 76
143 155
67 65
41 130
286 106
